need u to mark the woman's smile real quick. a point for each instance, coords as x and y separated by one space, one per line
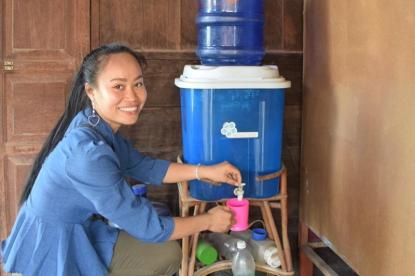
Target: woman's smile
132 109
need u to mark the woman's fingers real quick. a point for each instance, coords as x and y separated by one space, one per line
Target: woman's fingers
233 176
223 173
221 219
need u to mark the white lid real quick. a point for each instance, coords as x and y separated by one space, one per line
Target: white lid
271 257
240 244
228 77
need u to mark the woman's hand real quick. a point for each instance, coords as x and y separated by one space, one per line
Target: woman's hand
220 219
221 173
217 219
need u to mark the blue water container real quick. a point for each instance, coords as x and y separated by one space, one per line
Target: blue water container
230 32
233 113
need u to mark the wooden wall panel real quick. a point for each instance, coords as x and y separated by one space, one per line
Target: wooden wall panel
188 28
273 27
290 67
283 29
291 156
158 132
44 20
147 25
16 168
161 24
358 164
292 24
50 35
159 81
34 102
112 23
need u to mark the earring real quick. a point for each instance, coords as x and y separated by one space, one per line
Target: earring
93 119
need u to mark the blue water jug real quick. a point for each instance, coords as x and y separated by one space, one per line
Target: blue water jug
230 32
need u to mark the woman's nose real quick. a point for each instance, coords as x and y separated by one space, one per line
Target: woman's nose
131 94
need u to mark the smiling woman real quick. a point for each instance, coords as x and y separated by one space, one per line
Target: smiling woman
80 175
119 94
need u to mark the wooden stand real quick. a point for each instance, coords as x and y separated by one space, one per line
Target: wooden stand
308 257
266 204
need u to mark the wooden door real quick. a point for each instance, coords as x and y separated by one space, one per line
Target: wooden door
43 41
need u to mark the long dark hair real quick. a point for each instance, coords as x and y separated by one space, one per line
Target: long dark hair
78 100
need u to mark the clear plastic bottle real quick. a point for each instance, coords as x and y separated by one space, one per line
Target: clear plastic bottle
262 249
224 243
243 263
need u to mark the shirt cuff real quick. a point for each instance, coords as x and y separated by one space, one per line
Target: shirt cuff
161 167
169 226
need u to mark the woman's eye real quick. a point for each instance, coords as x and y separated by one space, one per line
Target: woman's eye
139 84
119 87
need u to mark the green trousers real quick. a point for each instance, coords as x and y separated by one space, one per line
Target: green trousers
135 258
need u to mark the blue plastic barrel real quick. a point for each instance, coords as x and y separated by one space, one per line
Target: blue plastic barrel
230 32
233 113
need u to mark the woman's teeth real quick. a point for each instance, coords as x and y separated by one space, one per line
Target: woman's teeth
129 109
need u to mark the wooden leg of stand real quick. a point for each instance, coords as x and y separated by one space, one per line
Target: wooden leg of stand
285 239
274 233
284 221
266 223
193 245
306 266
195 213
192 261
185 242
264 217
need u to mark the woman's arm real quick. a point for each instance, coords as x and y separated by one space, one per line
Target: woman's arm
155 171
218 219
221 173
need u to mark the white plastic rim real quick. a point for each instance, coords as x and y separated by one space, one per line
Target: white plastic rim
231 77
271 257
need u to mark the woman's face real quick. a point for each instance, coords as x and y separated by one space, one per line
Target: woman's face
119 94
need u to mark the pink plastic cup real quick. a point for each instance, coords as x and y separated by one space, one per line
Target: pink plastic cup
240 209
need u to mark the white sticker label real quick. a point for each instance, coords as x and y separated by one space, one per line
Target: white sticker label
230 131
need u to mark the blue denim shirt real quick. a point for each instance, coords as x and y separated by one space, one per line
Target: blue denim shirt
85 174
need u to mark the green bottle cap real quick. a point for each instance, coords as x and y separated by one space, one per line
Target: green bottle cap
206 253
